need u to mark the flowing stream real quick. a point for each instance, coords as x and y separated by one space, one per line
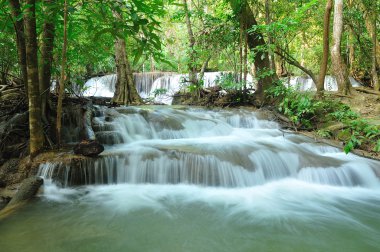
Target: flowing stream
191 179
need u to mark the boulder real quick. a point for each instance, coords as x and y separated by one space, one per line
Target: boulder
29 187
90 148
9 172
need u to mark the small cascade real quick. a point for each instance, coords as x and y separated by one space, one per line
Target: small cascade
229 148
158 85
305 83
161 86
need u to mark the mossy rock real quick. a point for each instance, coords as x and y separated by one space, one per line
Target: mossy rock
9 172
170 123
127 110
344 135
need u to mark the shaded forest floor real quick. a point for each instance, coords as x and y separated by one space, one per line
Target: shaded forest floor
367 105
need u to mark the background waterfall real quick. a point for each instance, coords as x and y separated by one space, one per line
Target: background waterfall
148 83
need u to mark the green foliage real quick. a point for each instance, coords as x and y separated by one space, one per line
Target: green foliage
324 133
352 143
263 73
227 81
377 146
299 107
307 112
159 91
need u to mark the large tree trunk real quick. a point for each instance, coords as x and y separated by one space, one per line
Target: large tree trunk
261 58
125 92
339 67
192 58
375 77
20 39
241 32
35 123
62 78
268 21
325 57
351 48
47 46
369 25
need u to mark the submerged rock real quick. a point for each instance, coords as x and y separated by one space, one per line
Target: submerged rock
90 148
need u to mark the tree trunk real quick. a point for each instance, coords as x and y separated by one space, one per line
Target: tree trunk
241 31
339 67
35 123
47 46
125 92
152 66
20 39
325 57
62 78
375 77
369 25
268 21
192 58
203 69
245 60
261 58
351 49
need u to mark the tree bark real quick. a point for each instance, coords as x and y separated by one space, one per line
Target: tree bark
241 31
192 58
62 78
339 67
203 69
370 27
325 57
375 77
20 39
268 21
47 46
351 49
125 92
245 60
35 123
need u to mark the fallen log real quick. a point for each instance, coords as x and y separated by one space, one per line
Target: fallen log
26 191
367 91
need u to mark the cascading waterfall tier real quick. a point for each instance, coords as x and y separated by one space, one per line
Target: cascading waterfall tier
149 84
228 148
161 86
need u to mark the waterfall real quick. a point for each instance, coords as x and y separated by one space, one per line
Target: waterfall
147 84
161 86
305 83
231 148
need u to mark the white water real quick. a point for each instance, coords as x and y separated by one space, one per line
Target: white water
190 179
148 83
232 148
303 83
